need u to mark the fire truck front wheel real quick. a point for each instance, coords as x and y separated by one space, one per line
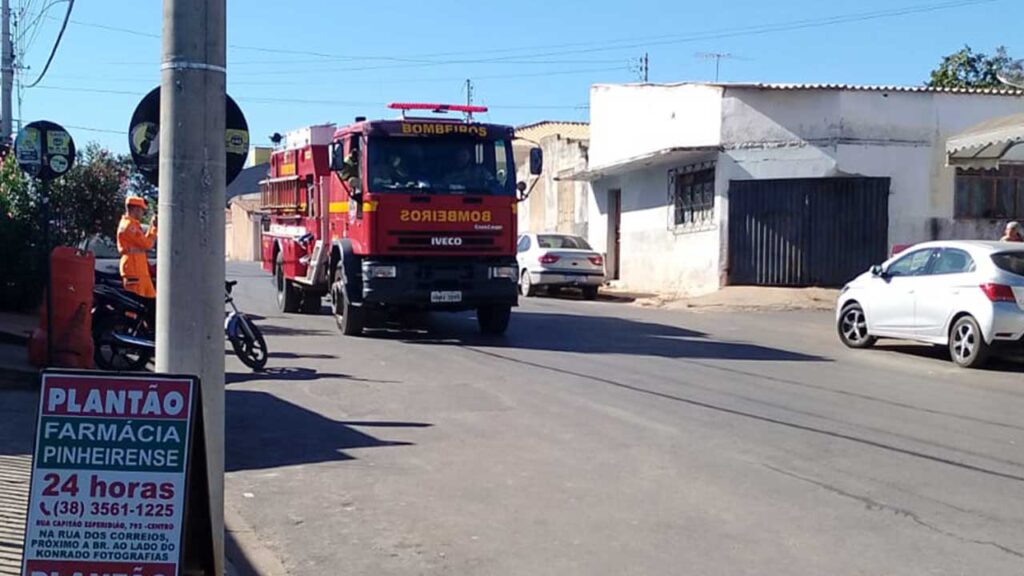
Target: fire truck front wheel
288 296
494 319
349 317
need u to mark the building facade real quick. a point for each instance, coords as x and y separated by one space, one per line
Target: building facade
554 205
695 186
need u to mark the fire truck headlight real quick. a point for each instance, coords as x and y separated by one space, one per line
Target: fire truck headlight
378 271
506 272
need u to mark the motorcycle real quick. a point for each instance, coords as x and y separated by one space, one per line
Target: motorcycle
125 340
121 328
246 339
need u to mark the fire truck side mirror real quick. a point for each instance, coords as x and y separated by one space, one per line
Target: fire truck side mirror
536 161
337 156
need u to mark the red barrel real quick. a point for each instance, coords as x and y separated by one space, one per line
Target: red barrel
72 275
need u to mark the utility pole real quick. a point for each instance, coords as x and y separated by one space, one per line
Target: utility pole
645 67
6 73
190 270
469 97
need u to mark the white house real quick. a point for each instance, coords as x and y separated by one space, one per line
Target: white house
699 185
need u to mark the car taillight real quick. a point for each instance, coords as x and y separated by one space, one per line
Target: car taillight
548 259
596 260
998 292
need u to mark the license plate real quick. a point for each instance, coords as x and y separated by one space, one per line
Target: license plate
446 296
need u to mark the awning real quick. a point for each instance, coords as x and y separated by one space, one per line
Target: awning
666 156
988 143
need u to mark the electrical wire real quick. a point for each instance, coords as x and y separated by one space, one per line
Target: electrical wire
266 100
56 44
590 47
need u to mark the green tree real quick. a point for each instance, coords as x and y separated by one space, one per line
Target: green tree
966 68
88 199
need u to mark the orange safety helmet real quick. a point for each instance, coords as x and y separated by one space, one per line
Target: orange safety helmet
136 201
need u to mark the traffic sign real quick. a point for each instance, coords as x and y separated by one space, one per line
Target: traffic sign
144 138
44 150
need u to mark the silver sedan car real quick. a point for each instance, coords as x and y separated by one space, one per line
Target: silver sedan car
967 295
558 260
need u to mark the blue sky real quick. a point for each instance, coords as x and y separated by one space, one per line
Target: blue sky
298 63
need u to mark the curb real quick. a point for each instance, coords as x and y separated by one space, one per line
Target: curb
245 554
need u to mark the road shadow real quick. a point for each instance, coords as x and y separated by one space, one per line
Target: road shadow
999 362
290 355
297 356
275 330
576 294
580 334
264 431
289 374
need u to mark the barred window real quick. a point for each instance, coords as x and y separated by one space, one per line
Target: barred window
693 194
990 194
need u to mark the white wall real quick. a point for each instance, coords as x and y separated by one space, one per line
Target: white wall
539 213
655 255
768 134
634 119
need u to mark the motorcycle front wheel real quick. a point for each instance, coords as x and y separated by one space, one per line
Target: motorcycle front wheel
251 350
111 354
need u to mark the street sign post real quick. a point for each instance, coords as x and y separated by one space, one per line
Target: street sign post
45 151
117 461
144 137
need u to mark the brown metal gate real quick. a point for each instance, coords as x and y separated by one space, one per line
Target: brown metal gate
806 232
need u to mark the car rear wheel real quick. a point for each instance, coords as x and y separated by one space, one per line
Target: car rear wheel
526 287
590 292
967 345
853 327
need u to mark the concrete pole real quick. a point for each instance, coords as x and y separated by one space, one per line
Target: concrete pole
6 72
190 258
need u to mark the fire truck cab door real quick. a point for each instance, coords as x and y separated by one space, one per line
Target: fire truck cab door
355 198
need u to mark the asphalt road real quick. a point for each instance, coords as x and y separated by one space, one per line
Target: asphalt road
603 438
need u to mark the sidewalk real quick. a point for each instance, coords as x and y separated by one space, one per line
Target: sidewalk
744 299
15 329
17 422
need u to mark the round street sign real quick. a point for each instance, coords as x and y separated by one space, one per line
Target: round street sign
44 150
144 137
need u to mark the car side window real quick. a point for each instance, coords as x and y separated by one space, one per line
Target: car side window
953 261
524 244
913 264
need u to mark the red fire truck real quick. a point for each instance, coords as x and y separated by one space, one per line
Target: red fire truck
391 217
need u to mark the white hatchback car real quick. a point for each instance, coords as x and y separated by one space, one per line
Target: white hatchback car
557 260
967 295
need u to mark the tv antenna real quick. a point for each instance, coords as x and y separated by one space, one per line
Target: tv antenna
717 57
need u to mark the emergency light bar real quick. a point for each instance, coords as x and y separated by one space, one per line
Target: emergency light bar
437 108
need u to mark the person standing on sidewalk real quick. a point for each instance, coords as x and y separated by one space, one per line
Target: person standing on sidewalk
1013 233
133 245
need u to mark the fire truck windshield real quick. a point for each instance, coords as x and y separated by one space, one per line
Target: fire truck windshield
441 165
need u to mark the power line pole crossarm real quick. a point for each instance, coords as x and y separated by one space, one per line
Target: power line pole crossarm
190 271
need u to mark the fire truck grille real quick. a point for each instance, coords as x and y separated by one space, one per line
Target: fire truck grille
431 241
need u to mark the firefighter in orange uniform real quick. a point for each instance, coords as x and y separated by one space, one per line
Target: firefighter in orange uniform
133 244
